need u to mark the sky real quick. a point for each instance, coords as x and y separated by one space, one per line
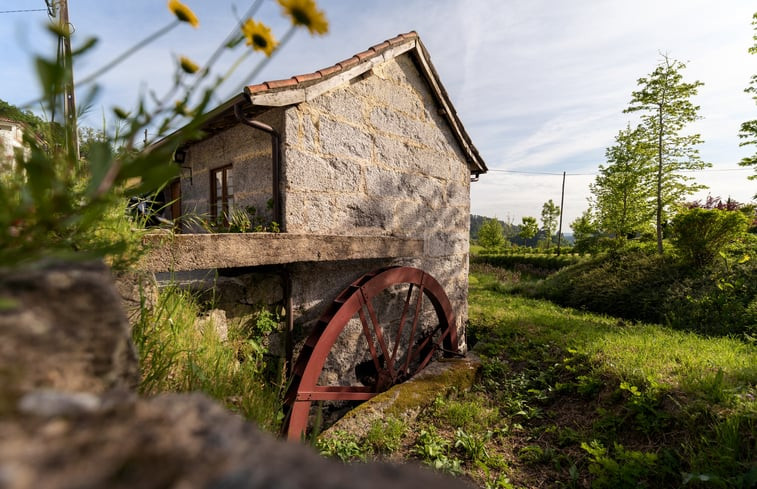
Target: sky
540 85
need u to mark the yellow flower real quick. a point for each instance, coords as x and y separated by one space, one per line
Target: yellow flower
306 13
259 36
183 13
188 65
182 109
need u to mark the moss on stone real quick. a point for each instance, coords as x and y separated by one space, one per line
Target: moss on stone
406 400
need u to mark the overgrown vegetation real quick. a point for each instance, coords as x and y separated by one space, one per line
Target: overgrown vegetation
572 399
60 204
54 203
715 296
180 350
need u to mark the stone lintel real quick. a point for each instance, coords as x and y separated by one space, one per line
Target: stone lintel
204 251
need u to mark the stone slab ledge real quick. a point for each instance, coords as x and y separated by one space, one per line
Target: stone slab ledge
177 252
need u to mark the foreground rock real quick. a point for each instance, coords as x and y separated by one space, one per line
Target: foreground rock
173 440
63 328
70 417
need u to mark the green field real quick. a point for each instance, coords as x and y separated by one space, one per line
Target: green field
572 399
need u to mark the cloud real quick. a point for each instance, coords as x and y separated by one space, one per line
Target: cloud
538 84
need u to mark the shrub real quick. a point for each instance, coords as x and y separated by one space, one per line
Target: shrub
700 234
547 262
721 300
626 284
637 284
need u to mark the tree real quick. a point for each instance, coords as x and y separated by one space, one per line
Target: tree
666 109
748 129
50 132
12 112
623 190
491 235
585 231
550 213
89 138
528 228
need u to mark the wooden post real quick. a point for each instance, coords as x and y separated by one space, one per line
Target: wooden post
562 200
69 97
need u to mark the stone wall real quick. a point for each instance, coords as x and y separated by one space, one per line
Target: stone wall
248 151
374 157
370 158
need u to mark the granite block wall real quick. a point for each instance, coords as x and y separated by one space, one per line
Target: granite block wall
374 157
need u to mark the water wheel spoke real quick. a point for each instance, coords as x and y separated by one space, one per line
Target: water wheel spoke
379 336
369 339
403 318
400 353
426 349
411 340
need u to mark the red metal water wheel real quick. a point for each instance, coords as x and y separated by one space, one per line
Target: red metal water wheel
400 339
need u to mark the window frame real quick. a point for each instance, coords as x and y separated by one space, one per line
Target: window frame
225 196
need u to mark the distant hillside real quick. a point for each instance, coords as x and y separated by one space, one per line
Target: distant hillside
477 221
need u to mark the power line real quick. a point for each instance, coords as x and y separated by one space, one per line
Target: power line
24 10
714 170
539 172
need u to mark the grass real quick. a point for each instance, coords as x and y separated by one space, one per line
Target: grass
566 398
634 352
179 351
573 399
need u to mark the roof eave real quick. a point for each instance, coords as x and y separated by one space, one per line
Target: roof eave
303 88
475 162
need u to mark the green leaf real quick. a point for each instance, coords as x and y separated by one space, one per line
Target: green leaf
50 75
88 44
100 161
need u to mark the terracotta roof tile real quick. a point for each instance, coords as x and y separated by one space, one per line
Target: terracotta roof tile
379 47
289 82
260 87
402 37
307 77
331 70
348 63
365 54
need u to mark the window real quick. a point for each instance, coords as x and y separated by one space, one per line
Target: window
221 193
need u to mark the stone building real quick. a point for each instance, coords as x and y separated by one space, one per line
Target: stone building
11 140
364 164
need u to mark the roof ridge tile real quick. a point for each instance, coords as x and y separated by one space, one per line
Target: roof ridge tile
333 69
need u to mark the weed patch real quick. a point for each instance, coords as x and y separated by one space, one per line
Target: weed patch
181 353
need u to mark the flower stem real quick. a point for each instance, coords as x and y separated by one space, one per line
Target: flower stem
264 62
119 59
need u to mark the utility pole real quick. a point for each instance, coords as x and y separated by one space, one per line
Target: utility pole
69 97
562 200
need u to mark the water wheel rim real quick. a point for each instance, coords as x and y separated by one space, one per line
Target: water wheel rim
350 302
